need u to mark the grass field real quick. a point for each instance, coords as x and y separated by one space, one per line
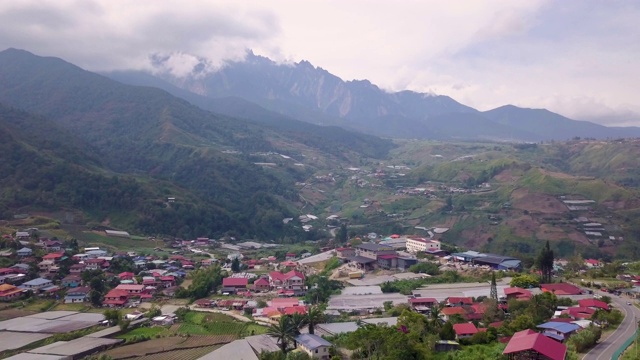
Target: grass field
144 331
254 329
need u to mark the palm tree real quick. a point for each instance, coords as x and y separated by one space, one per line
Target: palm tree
314 317
298 321
435 312
283 331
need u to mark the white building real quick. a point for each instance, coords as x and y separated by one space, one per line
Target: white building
415 245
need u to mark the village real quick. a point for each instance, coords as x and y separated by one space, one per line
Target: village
359 282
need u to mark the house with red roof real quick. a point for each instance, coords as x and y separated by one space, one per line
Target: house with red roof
126 276
579 313
9 292
7 271
561 289
96 264
465 330
593 304
232 285
528 344
131 289
592 263
204 303
292 281
517 293
77 269
447 312
290 256
116 298
458 301
261 284
167 281
54 256
51 245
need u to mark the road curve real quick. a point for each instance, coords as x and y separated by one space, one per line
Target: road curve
605 349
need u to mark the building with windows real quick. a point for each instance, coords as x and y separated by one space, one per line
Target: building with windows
315 346
415 245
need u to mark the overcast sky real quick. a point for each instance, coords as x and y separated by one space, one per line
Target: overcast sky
576 57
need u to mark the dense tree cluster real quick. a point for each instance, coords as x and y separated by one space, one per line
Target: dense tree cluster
203 282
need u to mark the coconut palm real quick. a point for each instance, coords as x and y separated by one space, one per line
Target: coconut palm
314 317
284 332
435 312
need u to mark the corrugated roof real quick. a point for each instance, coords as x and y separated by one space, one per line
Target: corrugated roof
528 340
465 329
312 341
562 327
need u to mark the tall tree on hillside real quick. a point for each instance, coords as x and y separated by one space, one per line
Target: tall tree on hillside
235 265
545 263
284 332
493 294
342 236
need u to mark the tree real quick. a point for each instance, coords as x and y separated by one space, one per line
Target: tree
522 322
493 294
113 316
235 265
425 268
447 332
525 281
283 331
314 317
545 263
342 235
153 312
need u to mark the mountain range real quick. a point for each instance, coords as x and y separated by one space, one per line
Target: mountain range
140 145
312 94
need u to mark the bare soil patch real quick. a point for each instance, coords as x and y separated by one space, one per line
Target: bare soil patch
14 313
506 176
551 233
534 202
578 237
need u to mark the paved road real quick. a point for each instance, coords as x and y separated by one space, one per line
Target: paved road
606 348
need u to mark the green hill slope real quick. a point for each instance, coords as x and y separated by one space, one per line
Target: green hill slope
157 138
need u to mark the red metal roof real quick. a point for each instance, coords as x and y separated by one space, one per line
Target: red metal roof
465 329
261 281
452 311
528 340
593 303
235 281
458 300
117 293
561 289
517 292
295 309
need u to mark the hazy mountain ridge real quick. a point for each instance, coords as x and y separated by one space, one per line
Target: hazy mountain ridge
148 133
314 95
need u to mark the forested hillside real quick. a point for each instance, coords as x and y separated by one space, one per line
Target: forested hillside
161 146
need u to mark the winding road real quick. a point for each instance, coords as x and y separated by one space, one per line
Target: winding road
605 349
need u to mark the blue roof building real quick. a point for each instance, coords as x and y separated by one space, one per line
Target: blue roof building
314 345
558 330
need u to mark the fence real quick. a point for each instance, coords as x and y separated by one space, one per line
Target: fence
623 347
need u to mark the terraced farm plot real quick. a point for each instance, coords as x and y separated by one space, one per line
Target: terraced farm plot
185 354
162 346
14 313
